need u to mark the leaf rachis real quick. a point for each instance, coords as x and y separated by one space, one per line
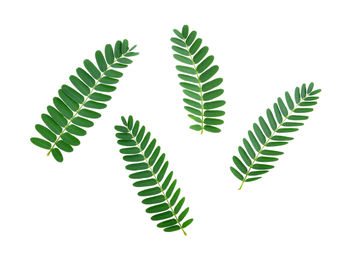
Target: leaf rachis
200 87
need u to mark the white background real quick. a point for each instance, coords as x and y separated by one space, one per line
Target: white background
87 204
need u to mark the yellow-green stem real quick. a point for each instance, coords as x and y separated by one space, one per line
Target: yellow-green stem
199 85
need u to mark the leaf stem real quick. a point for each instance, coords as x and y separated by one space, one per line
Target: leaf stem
268 140
156 179
82 105
199 85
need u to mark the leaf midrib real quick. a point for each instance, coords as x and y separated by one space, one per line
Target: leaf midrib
87 97
199 85
269 138
156 179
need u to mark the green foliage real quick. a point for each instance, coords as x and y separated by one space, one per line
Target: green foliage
259 151
149 169
197 72
72 110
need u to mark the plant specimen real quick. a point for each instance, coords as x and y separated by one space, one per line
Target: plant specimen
72 110
149 169
260 151
200 88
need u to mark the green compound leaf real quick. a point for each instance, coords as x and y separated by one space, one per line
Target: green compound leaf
148 169
198 76
259 151
76 105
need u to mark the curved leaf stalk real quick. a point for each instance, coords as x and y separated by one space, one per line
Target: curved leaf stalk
84 102
158 183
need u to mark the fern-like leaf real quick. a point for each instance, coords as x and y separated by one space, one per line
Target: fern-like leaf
258 153
72 110
149 168
197 72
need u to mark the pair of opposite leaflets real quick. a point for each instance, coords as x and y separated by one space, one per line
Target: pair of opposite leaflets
75 108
